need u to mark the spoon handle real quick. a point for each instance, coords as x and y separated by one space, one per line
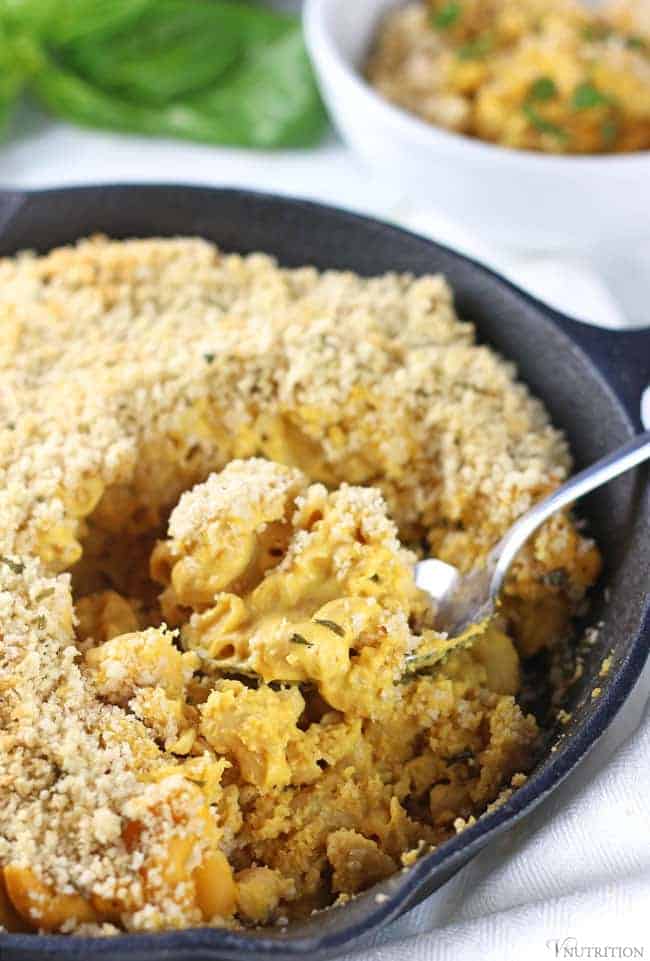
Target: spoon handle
635 452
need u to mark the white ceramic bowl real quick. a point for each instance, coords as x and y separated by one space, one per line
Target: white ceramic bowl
538 201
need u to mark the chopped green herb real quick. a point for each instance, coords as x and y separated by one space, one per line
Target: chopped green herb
17 567
476 48
556 578
332 625
376 578
542 124
299 639
41 622
634 42
419 667
596 31
208 358
43 594
586 96
544 88
609 131
447 15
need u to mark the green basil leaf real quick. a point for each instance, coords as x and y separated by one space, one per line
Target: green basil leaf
173 49
268 99
20 57
64 21
209 70
11 82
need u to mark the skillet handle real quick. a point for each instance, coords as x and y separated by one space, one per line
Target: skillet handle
623 356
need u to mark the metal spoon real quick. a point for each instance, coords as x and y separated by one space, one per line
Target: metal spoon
470 599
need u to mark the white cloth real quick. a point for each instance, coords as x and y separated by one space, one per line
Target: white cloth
575 874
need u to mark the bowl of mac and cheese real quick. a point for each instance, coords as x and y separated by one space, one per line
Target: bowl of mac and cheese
555 76
526 121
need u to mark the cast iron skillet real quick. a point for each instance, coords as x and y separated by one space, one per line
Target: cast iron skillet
590 380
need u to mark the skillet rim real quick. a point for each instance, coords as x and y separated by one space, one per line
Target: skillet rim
202 943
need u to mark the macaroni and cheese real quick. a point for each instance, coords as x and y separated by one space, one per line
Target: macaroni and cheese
551 75
215 477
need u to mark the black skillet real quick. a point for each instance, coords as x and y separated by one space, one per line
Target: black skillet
591 381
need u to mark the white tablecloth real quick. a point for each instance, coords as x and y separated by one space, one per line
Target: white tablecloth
572 880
